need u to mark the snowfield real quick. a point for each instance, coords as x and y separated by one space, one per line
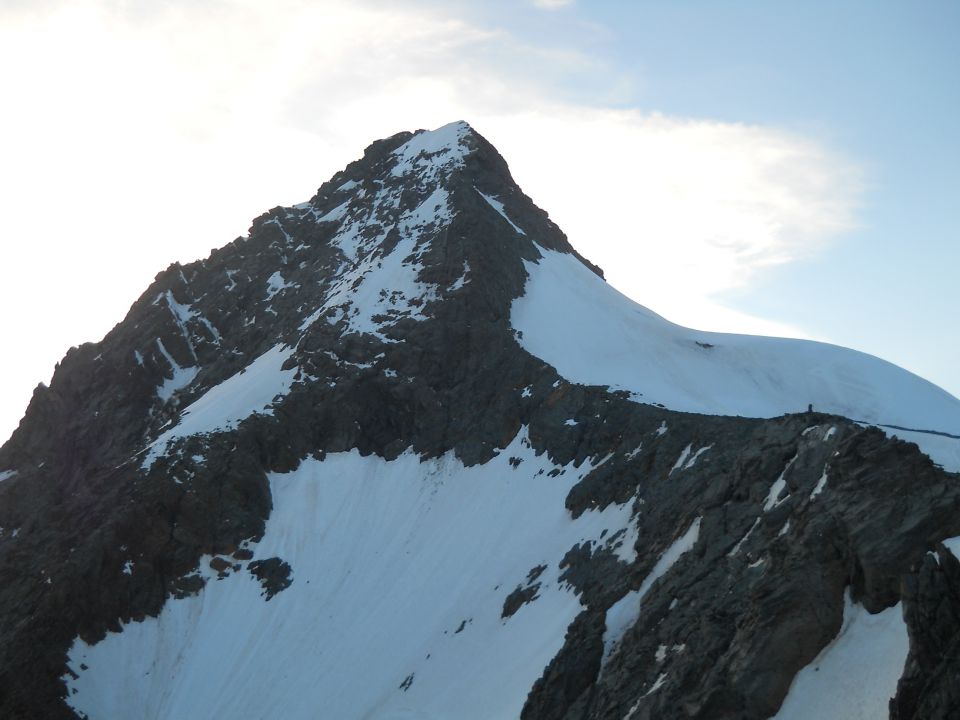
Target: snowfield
400 571
593 335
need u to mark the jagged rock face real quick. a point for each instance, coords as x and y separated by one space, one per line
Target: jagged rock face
707 558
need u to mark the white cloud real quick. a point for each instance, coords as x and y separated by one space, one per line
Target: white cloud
678 210
134 138
552 4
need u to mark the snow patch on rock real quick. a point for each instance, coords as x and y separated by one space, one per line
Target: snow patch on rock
252 390
624 613
179 378
854 676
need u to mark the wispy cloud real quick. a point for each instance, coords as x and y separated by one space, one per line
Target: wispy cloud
552 4
678 210
135 135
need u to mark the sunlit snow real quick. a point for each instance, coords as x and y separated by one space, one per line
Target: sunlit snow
592 334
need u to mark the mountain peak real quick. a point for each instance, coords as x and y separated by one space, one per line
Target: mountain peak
424 222
447 139
410 403
422 154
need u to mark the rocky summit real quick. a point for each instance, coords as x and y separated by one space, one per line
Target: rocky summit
401 453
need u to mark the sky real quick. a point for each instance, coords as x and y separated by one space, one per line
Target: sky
760 167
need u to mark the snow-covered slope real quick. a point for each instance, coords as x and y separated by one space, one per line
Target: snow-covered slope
594 335
856 675
399 569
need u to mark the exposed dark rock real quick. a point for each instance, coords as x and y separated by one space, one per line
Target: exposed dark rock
535 572
931 596
518 598
748 622
568 681
273 573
